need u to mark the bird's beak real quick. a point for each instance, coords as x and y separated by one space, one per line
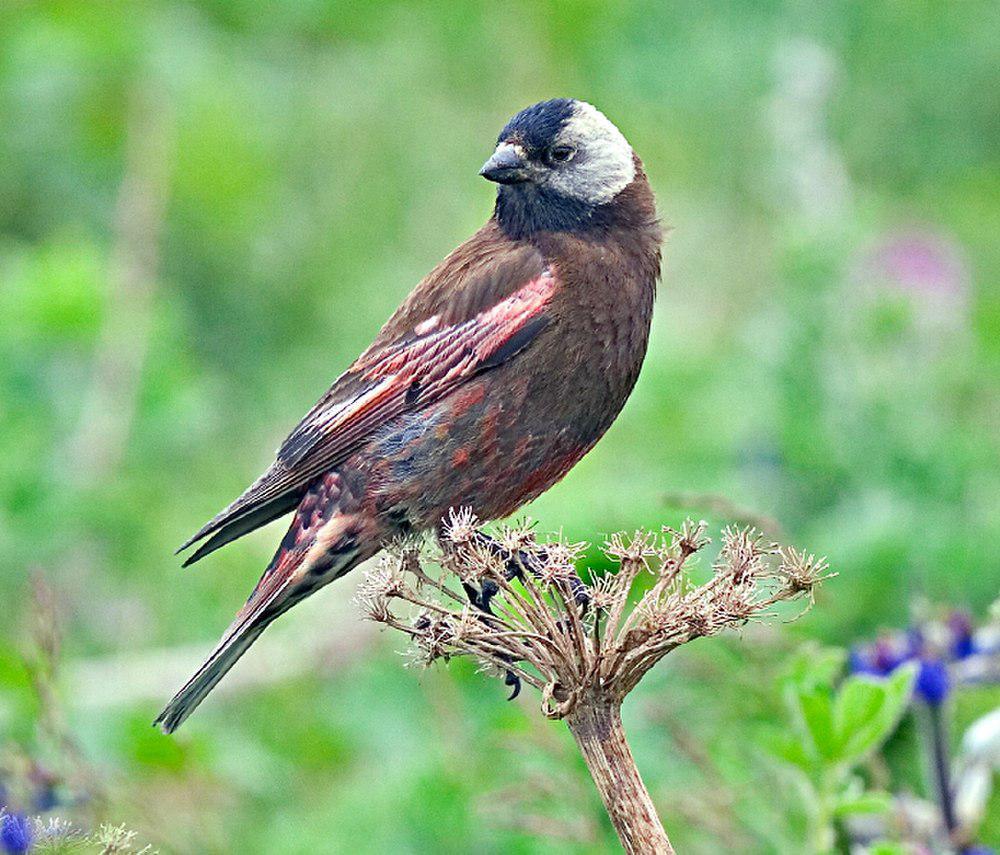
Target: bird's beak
507 166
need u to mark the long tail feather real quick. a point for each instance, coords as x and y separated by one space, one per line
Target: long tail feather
215 668
269 600
320 545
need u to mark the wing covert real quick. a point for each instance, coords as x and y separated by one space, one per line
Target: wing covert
411 373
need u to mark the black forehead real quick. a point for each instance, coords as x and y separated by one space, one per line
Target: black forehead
538 125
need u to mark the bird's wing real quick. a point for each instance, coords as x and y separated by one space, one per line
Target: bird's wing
417 369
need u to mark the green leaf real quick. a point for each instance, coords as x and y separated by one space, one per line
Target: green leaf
817 713
868 711
888 847
815 667
858 701
900 688
791 750
865 803
856 711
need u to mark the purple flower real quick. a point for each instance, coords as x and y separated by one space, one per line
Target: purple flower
888 655
15 833
932 683
919 261
881 658
962 643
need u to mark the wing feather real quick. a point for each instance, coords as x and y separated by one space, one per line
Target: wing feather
384 383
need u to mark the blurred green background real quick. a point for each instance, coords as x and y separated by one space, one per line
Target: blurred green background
208 208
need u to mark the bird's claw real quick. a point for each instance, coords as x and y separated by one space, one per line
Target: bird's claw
511 679
514 565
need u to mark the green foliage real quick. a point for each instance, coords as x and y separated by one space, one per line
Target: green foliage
841 728
834 728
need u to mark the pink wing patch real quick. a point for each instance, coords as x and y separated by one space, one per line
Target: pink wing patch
404 376
415 372
479 338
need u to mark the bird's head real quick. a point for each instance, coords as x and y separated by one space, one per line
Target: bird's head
556 162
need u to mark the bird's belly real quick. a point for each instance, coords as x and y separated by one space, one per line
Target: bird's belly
492 446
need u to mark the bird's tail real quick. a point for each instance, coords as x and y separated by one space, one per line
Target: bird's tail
275 594
234 644
317 549
277 591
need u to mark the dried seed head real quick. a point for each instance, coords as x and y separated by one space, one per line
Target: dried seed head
519 537
460 526
565 553
696 617
378 587
559 562
734 605
743 554
472 561
688 540
539 628
656 616
802 571
432 637
640 546
484 560
604 592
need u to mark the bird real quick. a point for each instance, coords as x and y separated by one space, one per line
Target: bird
500 370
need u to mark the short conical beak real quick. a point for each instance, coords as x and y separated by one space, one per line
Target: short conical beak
507 166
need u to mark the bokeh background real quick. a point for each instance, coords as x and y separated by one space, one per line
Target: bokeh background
207 210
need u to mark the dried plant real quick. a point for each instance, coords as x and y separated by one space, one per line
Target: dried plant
521 610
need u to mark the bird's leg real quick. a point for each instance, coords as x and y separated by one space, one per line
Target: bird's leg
481 600
513 564
533 563
474 597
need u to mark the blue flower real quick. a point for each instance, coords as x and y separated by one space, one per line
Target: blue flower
962 643
881 658
15 833
860 662
932 683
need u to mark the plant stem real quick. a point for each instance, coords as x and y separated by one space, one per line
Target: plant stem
596 725
937 746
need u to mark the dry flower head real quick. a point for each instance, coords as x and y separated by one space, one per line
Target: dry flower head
520 608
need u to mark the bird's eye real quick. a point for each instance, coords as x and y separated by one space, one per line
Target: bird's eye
559 154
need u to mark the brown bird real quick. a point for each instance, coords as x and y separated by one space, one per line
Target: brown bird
494 377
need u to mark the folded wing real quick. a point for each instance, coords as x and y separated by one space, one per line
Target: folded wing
419 368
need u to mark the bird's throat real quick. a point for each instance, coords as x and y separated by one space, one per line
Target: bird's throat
525 209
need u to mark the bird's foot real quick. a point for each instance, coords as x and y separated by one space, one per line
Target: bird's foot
481 597
511 679
514 565
481 600
533 563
